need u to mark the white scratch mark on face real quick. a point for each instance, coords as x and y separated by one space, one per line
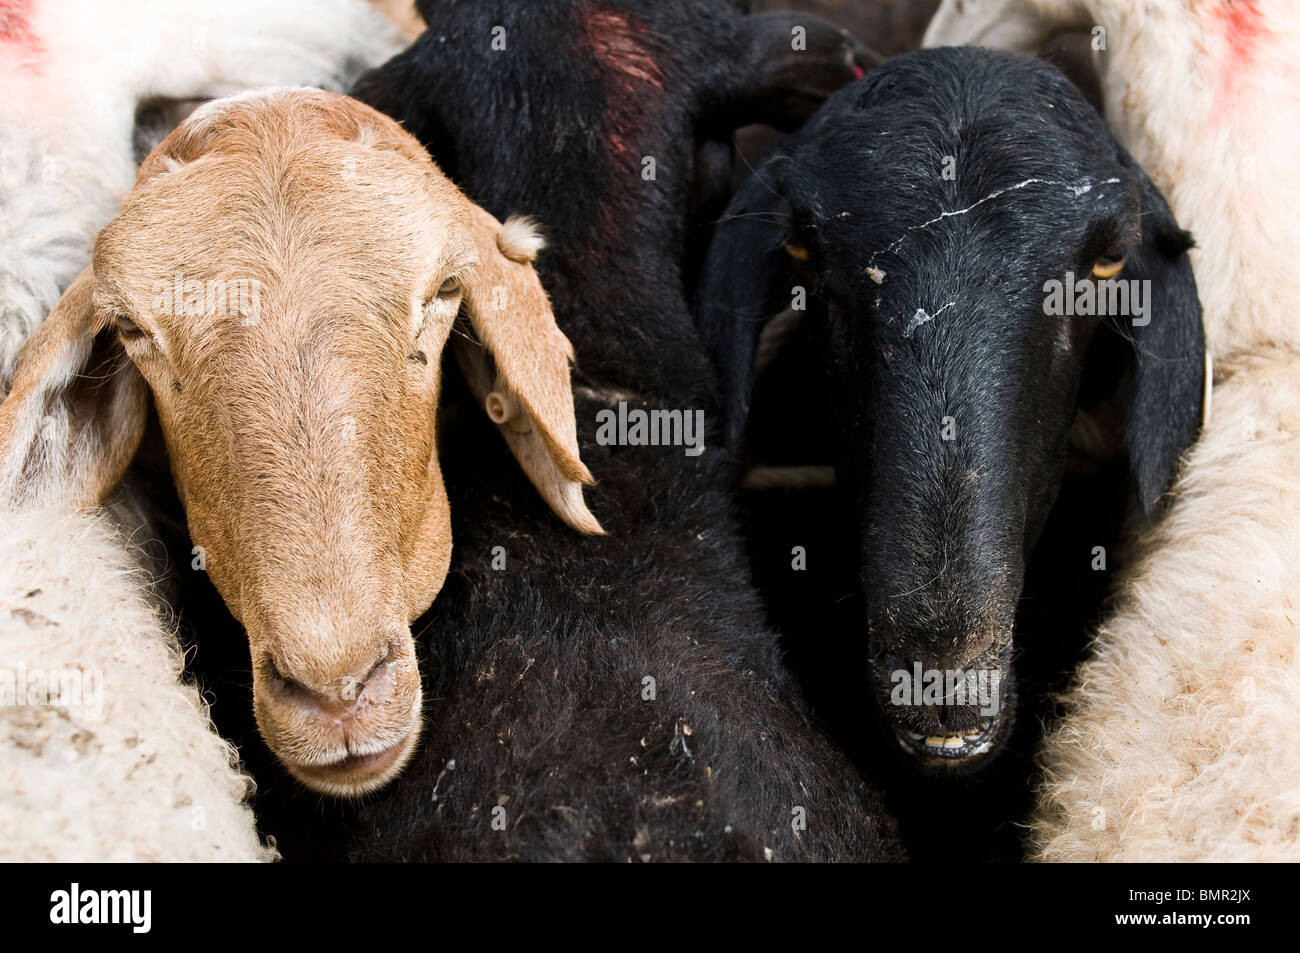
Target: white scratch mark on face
918 319
922 317
1087 187
1076 190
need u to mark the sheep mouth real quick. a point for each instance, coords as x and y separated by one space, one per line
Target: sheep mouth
974 743
958 722
355 775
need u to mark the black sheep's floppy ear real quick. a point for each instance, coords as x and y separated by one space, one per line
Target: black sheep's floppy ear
1169 384
746 280
791 64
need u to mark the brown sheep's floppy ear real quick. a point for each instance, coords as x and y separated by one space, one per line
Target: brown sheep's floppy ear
520 372
1169 382
76 413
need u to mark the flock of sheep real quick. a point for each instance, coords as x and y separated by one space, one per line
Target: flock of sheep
263 362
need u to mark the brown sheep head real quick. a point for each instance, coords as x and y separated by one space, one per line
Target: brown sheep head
282 281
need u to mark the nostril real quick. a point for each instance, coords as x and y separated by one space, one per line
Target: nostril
337 697
389 656
353 688
286 685
294 692
275 674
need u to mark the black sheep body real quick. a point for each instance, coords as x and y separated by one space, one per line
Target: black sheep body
535 672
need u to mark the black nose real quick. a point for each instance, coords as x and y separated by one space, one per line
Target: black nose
921 696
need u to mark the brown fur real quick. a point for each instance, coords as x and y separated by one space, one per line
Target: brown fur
300 421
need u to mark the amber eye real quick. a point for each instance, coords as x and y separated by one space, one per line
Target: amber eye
126 327
1108 266
797 252
449 288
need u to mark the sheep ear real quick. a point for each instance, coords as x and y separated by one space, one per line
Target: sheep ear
1170 381
792 63
76 413
520 371
746 280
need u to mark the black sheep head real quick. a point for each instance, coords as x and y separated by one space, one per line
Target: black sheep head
583 90
935 212
608 121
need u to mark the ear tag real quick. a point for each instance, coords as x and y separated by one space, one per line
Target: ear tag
797 252
502 409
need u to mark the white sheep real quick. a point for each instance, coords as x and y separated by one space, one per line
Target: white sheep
72 75
121 764
1174 742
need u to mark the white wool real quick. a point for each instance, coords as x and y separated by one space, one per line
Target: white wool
1175 744
66 142
58 186
144 779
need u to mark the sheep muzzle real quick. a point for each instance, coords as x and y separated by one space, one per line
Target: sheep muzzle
947 718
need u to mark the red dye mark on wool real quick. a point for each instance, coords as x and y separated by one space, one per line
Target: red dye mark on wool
1243 27
18 42
1240 28
630 75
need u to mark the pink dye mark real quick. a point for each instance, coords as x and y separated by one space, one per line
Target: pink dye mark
1240 27
617 44
16 33
1243 26
631 76
858 71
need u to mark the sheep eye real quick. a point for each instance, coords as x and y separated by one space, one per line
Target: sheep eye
797 252
1108 266
449 288
126 327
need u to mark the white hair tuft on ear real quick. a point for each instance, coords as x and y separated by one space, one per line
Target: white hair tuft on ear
520 239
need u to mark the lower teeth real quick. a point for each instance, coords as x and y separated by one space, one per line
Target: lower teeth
950 741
